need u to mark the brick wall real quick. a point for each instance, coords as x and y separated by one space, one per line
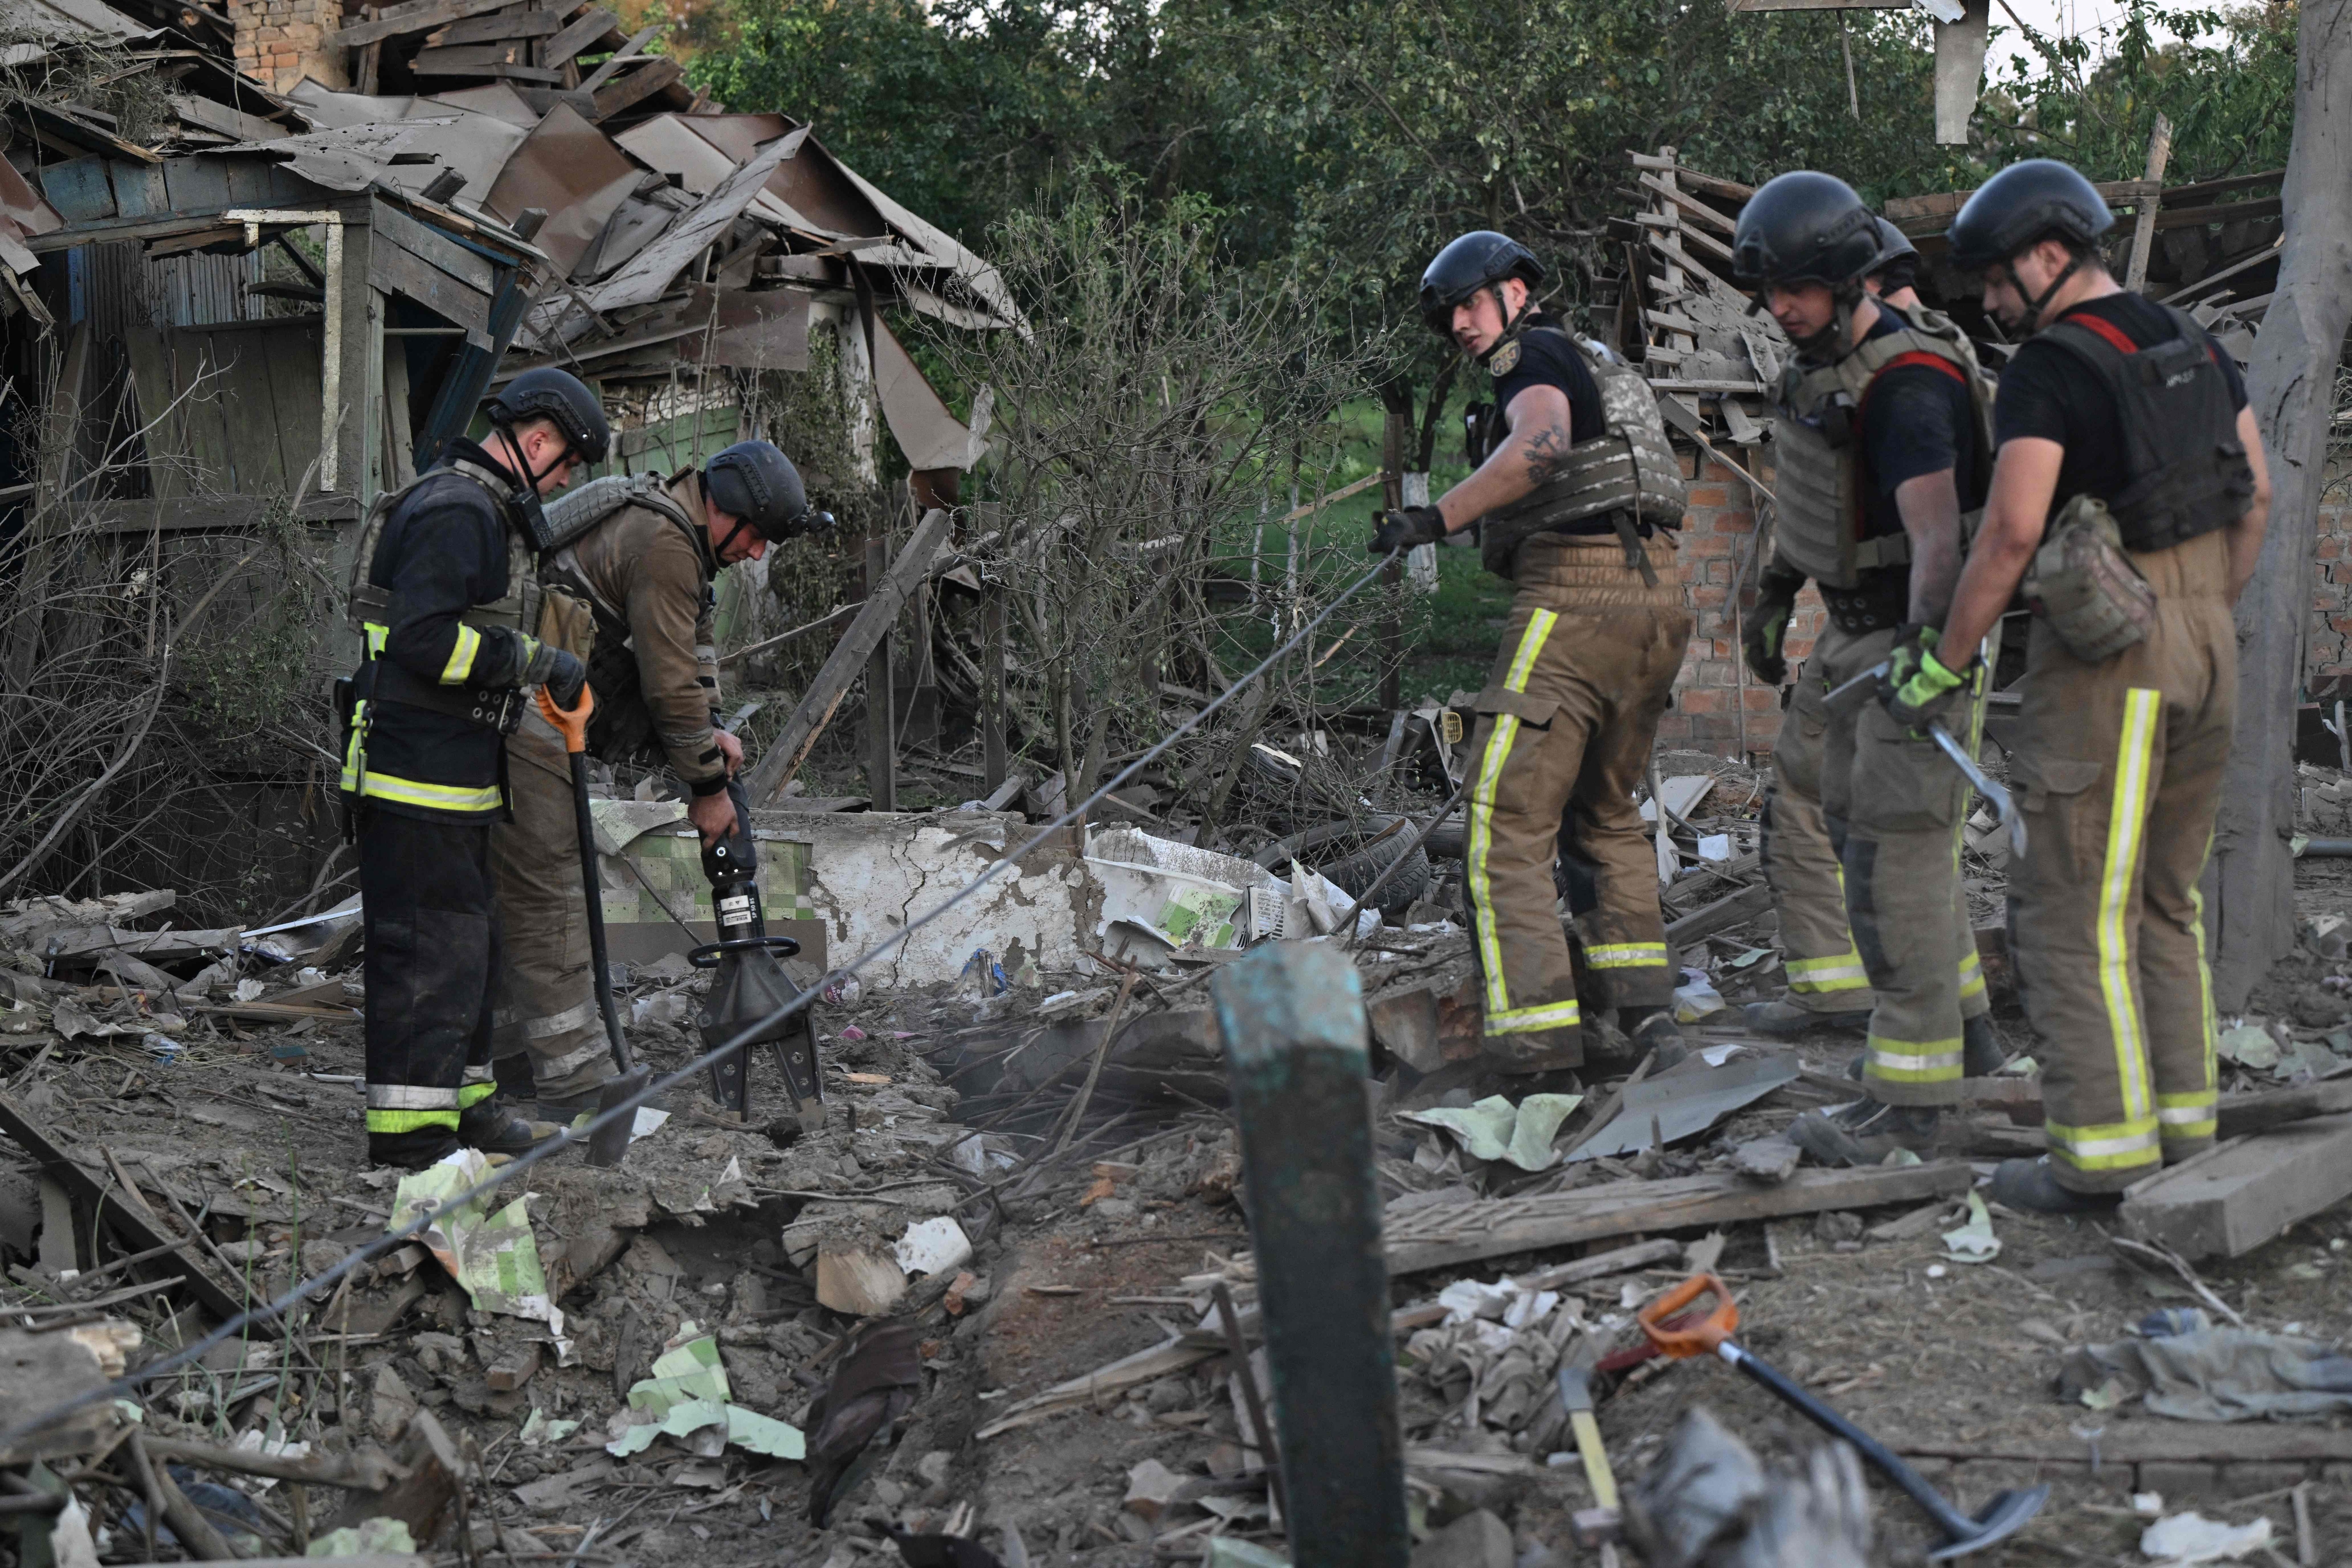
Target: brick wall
280 42
1717 707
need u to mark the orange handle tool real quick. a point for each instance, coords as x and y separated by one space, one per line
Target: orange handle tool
572 723
1702 1338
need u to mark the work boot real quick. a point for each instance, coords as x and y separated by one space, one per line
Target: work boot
1653 1030
564 1110
1786 1021
492 1128
2032 1185
1865 1133
412 1150
1982 1053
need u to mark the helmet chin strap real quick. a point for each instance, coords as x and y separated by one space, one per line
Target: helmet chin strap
530 479
1513 323
732 533
2037 303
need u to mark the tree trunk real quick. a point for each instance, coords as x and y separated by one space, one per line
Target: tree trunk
2291 384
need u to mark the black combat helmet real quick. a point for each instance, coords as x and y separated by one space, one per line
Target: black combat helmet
563 400
754 481
1898 259
2038 199
1805 227
1480 259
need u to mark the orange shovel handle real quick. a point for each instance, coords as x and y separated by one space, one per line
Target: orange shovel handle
1701 1338
572 722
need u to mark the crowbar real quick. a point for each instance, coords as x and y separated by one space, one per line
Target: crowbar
1866 684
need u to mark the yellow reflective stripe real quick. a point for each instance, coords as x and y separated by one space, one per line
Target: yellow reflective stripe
2127 812
2110 1147
2188 1116
1481 843
1552 1015
1531 641
377 633
409 1120
352 763
475 1093
2209 1028
1481 839
1842 972
1627 955
439 797
1912 1061
410 1097
461 656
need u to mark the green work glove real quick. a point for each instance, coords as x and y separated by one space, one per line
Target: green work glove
1919 688
1766 627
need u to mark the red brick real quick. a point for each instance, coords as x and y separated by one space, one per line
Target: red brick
1761 699
1704 546
1708 496
1709 596
1700 700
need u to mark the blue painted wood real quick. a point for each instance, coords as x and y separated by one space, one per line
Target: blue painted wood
1292 1015
139 189
78 189
197 185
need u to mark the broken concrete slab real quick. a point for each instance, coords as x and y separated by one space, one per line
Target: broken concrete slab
2238 1195
1476 1540
1770 1161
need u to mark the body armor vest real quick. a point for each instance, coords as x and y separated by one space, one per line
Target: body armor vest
368 607
1630 472
1816 446
620 728
2187 472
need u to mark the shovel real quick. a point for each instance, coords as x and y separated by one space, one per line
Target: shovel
610 1141
1859 689
1998 1520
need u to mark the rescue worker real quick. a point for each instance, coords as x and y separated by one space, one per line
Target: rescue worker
2120 421
633 595
1880 447
443 591
1828 987
1577 493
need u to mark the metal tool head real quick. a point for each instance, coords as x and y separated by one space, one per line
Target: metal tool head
1995 793
1852 694
610 1141
2003 1517
1575 1387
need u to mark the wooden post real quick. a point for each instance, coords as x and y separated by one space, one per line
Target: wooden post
881 709
1292 1015
991 686
371 60
2159 153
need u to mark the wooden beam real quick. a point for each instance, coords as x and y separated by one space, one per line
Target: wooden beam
1688 202
497 25
621 56
398 21
590 30
766 779
2159 153
2225 213
2236 1195
1443 1236
637 86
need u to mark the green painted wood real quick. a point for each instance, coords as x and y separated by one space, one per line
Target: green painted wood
1292 1014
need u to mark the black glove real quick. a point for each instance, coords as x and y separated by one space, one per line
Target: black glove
1766 627
561 673
1406 527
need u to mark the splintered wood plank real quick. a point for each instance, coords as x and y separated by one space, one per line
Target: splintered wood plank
1438 1238
2236 1195
596 26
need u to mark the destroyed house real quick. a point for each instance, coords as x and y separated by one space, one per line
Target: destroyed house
235 318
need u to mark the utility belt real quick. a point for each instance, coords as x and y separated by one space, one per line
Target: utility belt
1499 543
382 680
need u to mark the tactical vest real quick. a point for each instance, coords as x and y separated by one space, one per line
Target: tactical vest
620 728
1630 472
2188 473
1817 449
368 607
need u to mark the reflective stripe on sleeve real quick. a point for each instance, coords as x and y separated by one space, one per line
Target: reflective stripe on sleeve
461 656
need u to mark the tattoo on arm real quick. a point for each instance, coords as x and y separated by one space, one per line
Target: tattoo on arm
1546 448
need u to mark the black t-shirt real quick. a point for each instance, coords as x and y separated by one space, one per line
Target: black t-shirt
2050 392
1549 358
1915 420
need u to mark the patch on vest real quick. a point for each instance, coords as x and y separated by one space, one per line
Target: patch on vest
1505 360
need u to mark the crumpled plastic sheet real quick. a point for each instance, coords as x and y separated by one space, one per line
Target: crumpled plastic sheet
2218 1374
1495 1129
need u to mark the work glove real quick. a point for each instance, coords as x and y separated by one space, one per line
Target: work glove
559 672
1405 527
1765 628
1918 685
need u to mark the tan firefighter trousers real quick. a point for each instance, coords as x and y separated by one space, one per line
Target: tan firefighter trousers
1586 668
1894 806
2118 772
544 999
1800 864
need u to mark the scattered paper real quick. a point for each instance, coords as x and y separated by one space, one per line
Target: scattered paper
2194 1538
540 1430
686 1398
933 1246
369 1538
493 1255
2250 1046
690 1370
1715 846
252 1442
1973 1242
1495 1129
